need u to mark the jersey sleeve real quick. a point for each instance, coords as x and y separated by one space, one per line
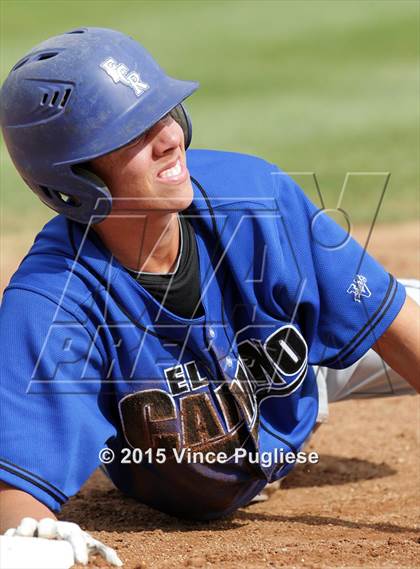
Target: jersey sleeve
346 299
53 414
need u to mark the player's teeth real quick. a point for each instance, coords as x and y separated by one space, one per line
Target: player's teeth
174 171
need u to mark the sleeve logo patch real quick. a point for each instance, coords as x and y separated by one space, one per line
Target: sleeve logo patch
120 73
359 288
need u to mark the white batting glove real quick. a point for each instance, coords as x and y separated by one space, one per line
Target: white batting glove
82 543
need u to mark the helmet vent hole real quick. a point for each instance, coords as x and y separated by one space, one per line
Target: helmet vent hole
45 191
55 195
65 98
63 197
59 98
46 55
20 63
54 98
69 200
79 31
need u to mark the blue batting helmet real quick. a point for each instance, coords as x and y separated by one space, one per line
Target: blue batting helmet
75 97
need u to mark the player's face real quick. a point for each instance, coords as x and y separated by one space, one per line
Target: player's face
149 173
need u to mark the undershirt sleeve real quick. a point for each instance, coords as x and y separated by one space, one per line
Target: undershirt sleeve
53 415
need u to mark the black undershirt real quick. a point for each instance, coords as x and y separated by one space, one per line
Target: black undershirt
184 291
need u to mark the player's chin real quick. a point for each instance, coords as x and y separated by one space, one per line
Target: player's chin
178 197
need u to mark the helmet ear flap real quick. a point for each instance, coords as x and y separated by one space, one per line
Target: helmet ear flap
181 116
101 203
89 202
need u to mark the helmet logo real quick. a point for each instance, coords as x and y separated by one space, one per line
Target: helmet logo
120 73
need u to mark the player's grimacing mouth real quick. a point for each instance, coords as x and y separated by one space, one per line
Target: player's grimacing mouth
174 173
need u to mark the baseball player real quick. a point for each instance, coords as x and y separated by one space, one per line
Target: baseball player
180 308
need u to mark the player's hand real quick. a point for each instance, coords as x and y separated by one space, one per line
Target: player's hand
82 543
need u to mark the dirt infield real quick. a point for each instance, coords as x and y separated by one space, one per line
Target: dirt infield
358 507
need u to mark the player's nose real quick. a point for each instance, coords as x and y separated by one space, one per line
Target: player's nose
167 136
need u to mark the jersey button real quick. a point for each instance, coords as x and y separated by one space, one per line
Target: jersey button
212 333
229 361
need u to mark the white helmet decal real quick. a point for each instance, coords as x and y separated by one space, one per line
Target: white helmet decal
119 73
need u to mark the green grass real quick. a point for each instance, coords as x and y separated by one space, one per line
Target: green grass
316 86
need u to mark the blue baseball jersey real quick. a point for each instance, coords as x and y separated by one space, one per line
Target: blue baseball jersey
91 361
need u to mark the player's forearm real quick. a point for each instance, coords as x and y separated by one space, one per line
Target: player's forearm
400 345
16 504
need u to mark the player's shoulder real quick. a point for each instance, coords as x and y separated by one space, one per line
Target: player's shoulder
231 175
218 165
51 249
200 160
50 264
